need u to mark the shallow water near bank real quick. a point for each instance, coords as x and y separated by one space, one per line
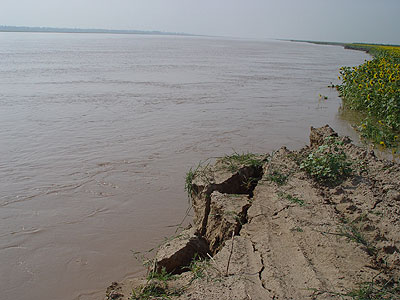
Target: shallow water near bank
97 132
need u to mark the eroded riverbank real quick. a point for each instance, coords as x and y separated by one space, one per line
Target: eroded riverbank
295 235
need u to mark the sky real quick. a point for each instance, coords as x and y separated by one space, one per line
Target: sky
374 21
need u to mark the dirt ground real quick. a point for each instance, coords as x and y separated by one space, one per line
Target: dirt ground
294 237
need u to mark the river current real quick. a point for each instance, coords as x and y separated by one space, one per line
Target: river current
98 131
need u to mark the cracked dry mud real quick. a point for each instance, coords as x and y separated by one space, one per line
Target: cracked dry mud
297 239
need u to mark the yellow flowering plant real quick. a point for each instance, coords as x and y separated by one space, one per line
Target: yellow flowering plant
373 89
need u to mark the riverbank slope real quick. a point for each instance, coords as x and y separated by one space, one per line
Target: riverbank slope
285 225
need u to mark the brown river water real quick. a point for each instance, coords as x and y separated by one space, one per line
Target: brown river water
98 131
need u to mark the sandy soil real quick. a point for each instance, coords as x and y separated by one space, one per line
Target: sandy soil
294 237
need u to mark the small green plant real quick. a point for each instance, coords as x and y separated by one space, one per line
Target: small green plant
189 182
156 287
292 199
373 290
370 292
328 164
160 276
277 177
249 183
154 290
150 291
295 200
352 233
197 267
201 171
376 290
235 161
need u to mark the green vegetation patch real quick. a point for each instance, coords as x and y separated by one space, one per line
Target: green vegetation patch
154 291
156 287
235 161
163 275
198 268
292 199
189 182
277 177
373 88
352 233
202 171
373 290
328 164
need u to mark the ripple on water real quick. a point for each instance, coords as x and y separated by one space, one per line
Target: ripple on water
98 131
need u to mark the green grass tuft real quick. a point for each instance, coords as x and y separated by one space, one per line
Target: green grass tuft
277 177
160 276
352 233
197 267
375 291
189 182
235 161
154 291
292 199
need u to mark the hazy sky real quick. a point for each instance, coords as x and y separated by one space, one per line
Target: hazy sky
329 20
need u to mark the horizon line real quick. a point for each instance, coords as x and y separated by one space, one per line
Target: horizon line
12 28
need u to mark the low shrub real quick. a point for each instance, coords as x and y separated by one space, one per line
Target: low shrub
328 164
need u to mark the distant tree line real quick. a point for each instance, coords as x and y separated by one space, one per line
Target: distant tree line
83 30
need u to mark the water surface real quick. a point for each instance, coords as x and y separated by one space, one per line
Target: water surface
97 132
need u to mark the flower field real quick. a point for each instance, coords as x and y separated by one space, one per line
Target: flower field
373 89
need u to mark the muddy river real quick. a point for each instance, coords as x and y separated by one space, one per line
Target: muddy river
98 131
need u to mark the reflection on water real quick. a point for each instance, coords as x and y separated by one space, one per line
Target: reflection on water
97 132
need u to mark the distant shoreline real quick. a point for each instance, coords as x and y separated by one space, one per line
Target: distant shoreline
86 30
346 45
